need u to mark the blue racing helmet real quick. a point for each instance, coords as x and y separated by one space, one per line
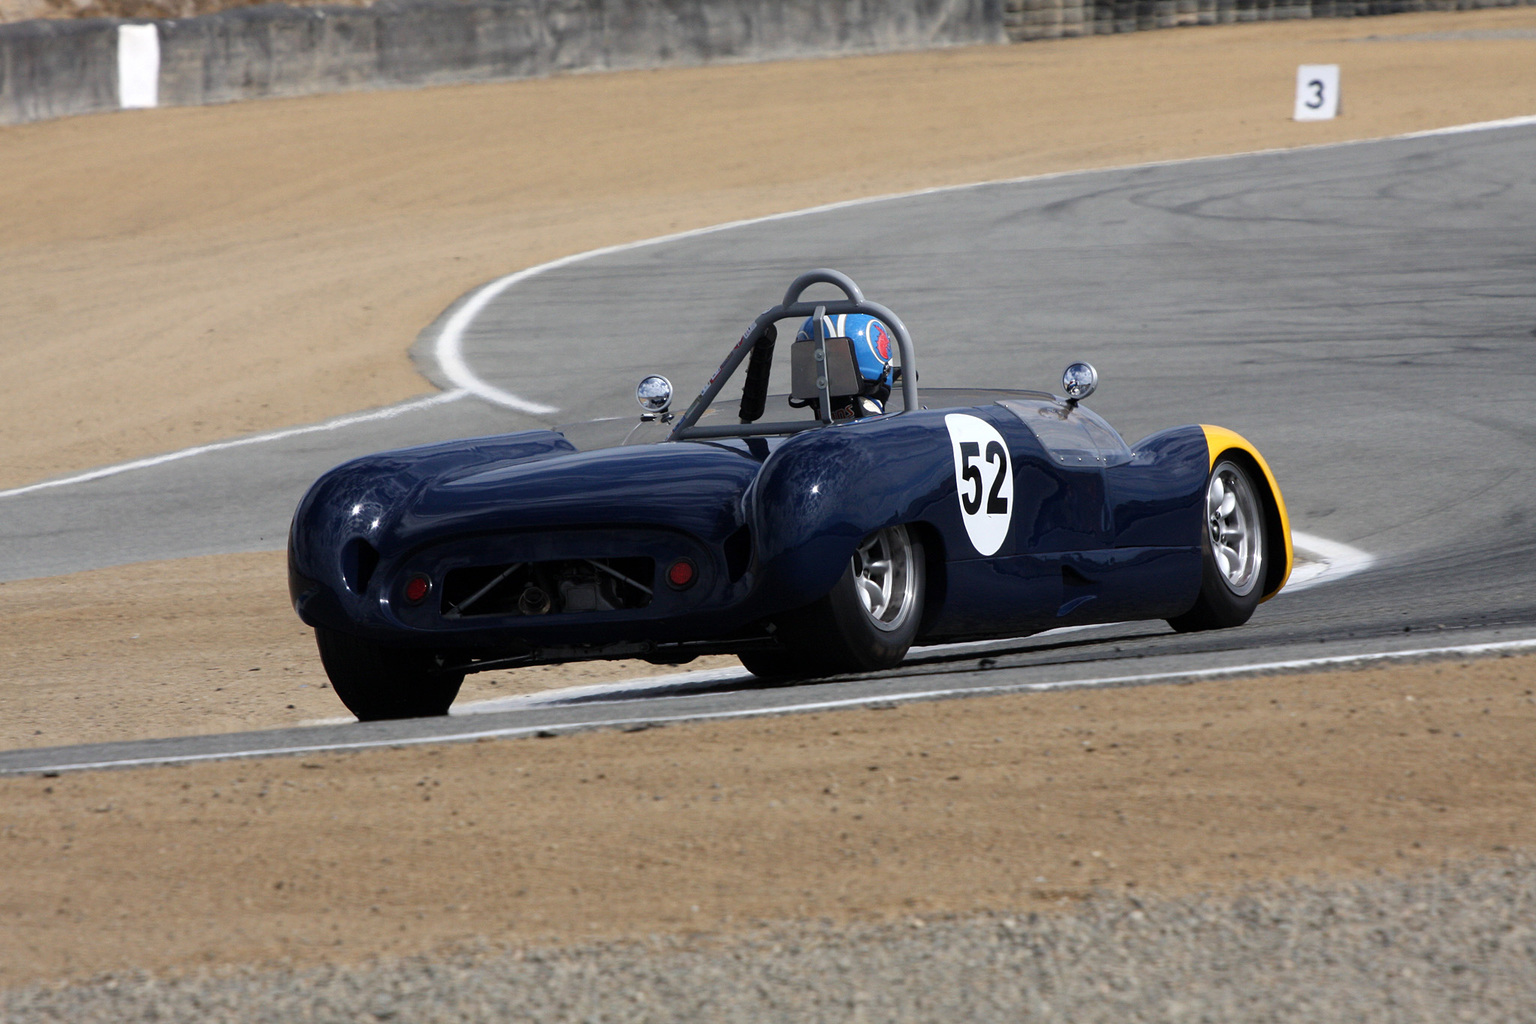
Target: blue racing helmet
873 343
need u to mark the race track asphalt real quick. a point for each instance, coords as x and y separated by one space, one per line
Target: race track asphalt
1365 313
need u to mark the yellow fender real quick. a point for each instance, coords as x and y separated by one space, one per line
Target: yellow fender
1219 441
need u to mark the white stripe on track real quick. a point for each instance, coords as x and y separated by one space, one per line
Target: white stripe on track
448 350
1191 675
1477 126
1328 561
389 412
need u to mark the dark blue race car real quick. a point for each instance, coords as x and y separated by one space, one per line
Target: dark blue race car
814 533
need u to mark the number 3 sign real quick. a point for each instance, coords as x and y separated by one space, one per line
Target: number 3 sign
1317 92
984 479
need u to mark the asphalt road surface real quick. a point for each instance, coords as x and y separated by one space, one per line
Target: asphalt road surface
1365 313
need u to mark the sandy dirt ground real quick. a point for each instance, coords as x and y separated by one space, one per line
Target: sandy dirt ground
195 646
179 276
1009 803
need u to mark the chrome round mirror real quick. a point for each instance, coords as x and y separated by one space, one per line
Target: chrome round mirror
1079 381
654 394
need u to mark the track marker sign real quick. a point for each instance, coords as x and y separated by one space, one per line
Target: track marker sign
138 66
1317 92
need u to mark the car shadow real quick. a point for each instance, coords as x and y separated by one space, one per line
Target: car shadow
919 664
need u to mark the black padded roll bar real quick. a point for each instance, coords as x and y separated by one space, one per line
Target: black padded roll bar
790 309
754 392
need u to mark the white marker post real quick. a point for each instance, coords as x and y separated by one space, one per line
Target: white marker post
138 66
1317 92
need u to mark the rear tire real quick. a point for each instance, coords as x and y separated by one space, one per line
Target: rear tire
377 682
773 666
869 619
1232 552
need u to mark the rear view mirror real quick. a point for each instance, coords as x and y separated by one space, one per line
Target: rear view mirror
654 395
1079 382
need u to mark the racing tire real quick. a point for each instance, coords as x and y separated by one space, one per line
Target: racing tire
869 618
378 682
773 666
1232 552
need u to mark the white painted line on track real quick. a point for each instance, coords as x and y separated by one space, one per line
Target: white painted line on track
389 412
679 680
1105 682
1328 561
682 680
448 350
571 694
1476 126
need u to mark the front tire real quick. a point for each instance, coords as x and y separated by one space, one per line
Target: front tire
1232 549
866 622
377 682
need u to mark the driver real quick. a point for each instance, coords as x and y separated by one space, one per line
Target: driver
873 347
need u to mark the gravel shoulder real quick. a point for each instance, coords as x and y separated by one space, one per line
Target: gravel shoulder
1454 944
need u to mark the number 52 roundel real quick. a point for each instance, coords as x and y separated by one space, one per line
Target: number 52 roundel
983 479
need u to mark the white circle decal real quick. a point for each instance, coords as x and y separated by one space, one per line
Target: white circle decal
983 480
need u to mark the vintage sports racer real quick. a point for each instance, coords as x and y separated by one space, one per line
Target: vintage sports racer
861 517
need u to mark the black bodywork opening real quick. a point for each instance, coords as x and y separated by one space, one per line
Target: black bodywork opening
560 587
358 560
738 553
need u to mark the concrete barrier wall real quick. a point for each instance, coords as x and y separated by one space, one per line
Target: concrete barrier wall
54 68
1028 20
49 68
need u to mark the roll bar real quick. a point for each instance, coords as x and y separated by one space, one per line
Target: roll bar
793 307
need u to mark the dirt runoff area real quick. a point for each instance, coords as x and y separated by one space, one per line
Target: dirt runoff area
1000 803
181 276
189 647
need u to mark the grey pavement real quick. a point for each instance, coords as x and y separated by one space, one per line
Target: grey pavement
1366 314
229 500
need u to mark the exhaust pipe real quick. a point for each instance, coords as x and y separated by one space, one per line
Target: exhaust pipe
533 601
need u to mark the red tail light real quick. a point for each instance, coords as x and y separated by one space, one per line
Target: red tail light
417 588
681 574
